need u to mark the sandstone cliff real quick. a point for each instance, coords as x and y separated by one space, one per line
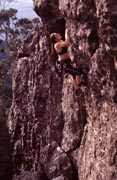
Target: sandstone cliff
58 133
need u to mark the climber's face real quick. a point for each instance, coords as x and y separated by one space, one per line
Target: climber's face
57 36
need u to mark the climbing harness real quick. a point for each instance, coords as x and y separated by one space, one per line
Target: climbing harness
62 67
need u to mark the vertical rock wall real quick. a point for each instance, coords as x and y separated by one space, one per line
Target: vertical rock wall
5 152
58 132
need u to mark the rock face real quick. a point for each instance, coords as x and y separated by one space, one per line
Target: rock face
58 132
5 152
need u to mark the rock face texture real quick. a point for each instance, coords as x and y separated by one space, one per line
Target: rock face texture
58 133
5 152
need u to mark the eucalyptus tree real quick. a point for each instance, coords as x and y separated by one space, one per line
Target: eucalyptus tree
12 31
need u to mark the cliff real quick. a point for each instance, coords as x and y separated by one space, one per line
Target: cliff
58 133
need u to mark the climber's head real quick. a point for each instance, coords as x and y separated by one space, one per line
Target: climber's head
55 37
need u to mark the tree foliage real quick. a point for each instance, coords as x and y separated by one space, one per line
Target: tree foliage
4 3
12 31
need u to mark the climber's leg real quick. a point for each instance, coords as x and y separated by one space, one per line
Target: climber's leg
72 70
78 75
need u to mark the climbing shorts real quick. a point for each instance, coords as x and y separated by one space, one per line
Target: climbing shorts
66 67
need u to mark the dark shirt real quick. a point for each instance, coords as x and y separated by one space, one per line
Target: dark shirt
63 51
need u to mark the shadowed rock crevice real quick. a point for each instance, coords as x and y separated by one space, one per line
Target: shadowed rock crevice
5 153
93 41
59 26
74 168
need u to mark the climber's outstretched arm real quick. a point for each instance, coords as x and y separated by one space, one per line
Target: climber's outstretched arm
64 43
67 36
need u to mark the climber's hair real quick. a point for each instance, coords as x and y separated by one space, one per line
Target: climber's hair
53 38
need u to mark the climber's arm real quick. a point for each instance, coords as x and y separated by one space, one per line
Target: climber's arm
64 43
67 37
67 41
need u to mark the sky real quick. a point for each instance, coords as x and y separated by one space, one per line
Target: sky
24 7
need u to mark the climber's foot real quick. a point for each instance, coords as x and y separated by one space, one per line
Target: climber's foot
76 82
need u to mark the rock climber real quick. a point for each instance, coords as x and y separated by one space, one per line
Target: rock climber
63 63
